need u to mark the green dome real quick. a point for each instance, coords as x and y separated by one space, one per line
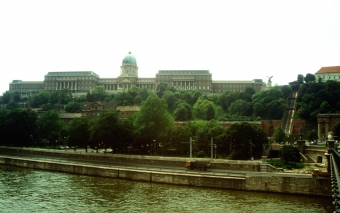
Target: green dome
130 59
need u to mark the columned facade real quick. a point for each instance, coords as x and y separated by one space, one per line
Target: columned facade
327 123
84 81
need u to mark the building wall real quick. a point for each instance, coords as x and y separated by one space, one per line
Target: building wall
26 87
186 79
236 86
80 81
84 81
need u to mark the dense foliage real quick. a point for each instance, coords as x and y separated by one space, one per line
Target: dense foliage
318 98
152 128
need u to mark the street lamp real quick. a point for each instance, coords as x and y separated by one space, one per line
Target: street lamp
251 149
215 150
154 141
212 142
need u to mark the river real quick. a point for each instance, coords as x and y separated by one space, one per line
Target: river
29 190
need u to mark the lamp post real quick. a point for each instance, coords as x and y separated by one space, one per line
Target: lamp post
215 151
212 151
251 149
154 141
191 147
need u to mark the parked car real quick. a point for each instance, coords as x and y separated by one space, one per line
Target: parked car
108 150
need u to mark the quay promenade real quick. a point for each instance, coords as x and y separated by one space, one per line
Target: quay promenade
246 176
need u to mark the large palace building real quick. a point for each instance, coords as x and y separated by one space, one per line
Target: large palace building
84 81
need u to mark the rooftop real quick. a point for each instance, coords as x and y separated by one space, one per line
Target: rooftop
324 70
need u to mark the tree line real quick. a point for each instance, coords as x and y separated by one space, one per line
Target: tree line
153 127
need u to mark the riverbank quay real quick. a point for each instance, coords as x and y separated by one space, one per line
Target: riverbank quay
245 180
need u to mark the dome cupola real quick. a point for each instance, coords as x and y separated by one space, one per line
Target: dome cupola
130 59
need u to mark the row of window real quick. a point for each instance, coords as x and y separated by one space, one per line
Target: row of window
191 87
23 86
184 77
232 86
232 90
184 72
66 77
330 77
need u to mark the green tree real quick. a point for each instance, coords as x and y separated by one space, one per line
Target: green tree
60 97
179 138
269 103
315 98
245 141
105 129
205 130
16 96
240 108
161 88
279 134
133 91
290 154
98 93
286 91
312 135
73 107
144 92
126 135
40 99
79 133
170 99
153 121
138 100
183 111
309 78
300 78
18 127
204 109
123 99
230 97
195 94
6 96
50 126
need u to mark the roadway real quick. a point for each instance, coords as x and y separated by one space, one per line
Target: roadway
211 172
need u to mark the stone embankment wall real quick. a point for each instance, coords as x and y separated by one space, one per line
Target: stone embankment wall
305 185
137 159
131 174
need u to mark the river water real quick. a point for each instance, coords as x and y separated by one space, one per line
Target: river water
29 190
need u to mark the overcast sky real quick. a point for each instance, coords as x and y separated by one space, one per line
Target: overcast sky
235 40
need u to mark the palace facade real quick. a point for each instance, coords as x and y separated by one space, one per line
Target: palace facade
84 81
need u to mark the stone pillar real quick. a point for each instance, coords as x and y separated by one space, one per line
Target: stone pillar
75 86
326 130
328 157
301 145
319 131
330 144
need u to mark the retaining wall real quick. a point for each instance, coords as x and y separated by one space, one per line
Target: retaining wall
291 185
137 159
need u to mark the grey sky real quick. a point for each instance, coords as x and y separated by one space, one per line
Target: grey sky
235 40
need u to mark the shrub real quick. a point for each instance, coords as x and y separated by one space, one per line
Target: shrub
200 154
